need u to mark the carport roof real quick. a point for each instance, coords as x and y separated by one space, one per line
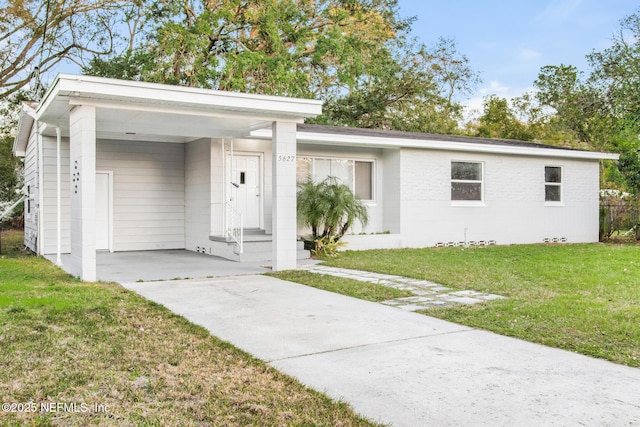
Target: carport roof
158 112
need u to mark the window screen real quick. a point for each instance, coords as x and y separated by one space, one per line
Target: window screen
553 183
363 178
466 181
356 174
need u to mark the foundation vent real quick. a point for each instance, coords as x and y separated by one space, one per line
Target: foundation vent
465 244
555 240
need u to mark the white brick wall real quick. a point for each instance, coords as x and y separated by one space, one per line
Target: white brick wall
514 209
197 195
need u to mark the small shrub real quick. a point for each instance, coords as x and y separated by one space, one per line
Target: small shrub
327 246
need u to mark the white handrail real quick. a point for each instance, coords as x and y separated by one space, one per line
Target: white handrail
233 227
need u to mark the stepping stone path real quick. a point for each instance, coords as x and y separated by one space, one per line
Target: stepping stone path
428 294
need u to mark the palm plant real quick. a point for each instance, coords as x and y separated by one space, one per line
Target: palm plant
329 208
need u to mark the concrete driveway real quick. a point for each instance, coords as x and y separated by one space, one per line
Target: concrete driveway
403 368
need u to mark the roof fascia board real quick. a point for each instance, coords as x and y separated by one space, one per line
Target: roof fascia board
378 142
49 97
92 87
25 124
160 108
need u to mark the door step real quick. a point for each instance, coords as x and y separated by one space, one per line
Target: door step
257 246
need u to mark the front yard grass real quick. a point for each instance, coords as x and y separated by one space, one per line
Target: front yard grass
584 298
67 342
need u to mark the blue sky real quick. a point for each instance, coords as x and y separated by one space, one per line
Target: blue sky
508 41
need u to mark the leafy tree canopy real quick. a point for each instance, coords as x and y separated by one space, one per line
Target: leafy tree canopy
10 166
356 55
601 110
289 47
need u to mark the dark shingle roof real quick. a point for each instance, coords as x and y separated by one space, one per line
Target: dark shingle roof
378 133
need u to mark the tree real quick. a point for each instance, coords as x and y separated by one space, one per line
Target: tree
10 166
290 47
602 110
39 35
406 87
499 121
9 170
579 111
355 55
616 72
329 208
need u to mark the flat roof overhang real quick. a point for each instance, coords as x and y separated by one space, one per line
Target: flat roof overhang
134 110
315 135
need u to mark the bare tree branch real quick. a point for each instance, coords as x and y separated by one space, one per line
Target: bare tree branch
36 33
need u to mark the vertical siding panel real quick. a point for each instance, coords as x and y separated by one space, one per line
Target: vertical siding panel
50 200
148 193
30 182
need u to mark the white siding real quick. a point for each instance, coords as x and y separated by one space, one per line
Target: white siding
50 195
198 195
148 193
31 182
514 209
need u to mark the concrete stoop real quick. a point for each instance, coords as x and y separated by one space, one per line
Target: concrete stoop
257 246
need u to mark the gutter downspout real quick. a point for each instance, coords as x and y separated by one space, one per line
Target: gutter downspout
58 200
40 241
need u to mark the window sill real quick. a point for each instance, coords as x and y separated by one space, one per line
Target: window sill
554 204
468 203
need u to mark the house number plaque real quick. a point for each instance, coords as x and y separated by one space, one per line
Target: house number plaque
286 158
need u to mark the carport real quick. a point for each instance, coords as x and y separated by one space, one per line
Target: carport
136 266
132 166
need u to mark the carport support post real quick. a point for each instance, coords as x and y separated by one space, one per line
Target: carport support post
82 121
284 196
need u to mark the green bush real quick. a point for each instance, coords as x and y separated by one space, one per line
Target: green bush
329 208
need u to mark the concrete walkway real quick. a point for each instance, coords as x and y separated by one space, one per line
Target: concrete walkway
399 367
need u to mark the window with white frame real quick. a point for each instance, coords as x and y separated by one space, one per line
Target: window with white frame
466 181
553 183
356 174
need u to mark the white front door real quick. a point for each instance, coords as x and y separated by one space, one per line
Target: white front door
103 211
246 175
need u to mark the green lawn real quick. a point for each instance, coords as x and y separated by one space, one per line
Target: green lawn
584 298
65 341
